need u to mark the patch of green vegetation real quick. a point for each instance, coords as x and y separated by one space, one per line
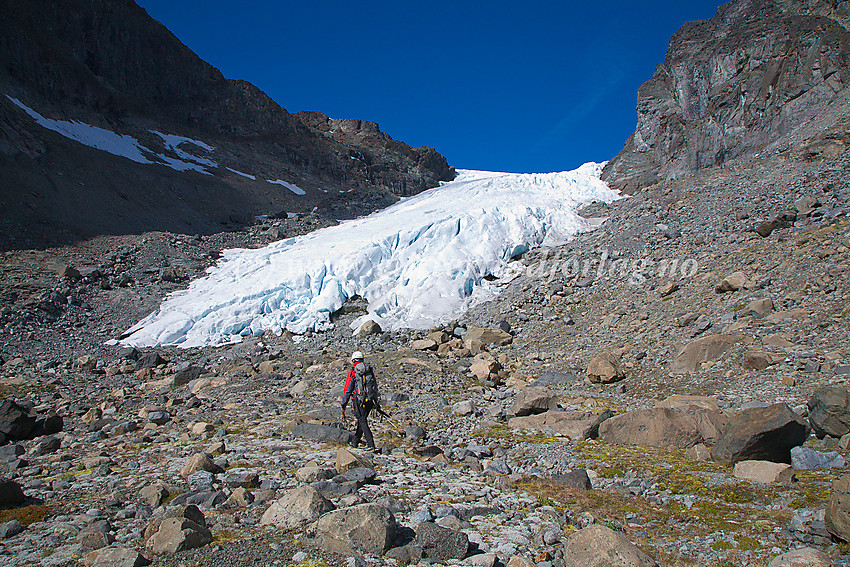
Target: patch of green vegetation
171 496
26 515
721 545
746 543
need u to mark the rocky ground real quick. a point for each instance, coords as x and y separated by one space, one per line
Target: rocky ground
609 324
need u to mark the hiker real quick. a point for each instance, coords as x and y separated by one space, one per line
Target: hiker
362 388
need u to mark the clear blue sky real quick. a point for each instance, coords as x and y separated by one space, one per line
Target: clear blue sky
519 86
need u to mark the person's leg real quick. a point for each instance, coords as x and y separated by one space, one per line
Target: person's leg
358 430
364 428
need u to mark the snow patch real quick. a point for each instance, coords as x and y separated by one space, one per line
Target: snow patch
418 262
123 145
92 136
291 186
248 175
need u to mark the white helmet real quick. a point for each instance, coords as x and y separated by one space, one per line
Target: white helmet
357 355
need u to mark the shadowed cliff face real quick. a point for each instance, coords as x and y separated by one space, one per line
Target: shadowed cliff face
751 75
108 64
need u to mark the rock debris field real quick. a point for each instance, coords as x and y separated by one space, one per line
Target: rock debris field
670 389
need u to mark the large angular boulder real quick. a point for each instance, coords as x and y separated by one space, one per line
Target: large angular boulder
116 557
664 427
365 528
437 542
181 528
534 400
763 434
598 546
16 423
487 336
829 411
200 462
296 507
702 350
605 369
347 460
763 471
732 282
837 516
319 432
576 425
178 534
10 494
802 557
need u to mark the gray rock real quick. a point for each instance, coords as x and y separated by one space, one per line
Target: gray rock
576 479
804 458
11 452
296 507
365 528
534 400
414 432
598 546
159 417
803 557
178 534
324 433
829 411
201 481
10 529
441 543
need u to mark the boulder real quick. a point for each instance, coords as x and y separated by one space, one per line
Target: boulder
764 433
802 557
575 425
178 534
598 546
732 282
534 400
369 327
347 460
829 411
757 359
10 494
313 474
466 407
296 507
575 479
116 557
364 528
483 368
153 494
424 344
605 369
701 350
326 433
804 458
487 336
200 462
837 516
763 471
760 307
663 427
441 543
16 423
189 512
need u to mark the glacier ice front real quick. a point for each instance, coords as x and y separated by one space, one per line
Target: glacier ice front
418 262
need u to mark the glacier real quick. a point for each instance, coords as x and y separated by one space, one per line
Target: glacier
421 261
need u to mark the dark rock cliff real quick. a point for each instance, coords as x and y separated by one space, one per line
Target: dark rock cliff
734 84
108 64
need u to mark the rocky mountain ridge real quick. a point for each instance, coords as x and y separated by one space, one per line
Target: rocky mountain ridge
109 65
760 73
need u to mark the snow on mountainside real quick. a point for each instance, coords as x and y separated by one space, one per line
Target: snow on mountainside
420 261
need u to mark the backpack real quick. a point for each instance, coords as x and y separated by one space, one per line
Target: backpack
367 387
